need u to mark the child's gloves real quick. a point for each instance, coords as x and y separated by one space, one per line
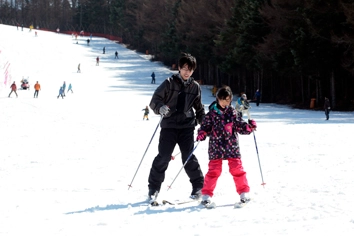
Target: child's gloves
253 124
201 135
164 110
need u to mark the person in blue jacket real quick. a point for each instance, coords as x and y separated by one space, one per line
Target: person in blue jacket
153 78
61 91
64 86
242 106
257 97
70 88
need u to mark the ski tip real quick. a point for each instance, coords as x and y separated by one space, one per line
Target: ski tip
164 202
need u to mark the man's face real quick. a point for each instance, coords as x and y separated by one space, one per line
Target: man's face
185 72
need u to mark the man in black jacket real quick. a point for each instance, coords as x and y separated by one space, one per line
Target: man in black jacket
178 100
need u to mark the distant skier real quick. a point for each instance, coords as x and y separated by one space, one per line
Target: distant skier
214 90
242 106
78 69
97 61
153 78
70 88
146 113
116 53
257 97
64 86
61 91
104 50
327 107
37 87
88 41
13 89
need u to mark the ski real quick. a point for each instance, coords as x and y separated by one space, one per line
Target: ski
213 205
166 202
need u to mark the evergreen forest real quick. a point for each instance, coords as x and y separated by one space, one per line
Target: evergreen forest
293 51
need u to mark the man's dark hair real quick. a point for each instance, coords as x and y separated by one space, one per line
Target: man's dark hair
224 92
188 59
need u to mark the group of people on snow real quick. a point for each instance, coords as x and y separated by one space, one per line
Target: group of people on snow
25 86
178 101
62 90
37 88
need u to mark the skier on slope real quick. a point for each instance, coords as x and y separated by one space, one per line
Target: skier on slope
146 113
61 91
178 101
153 81
70 88
327 107
222 124
13 89
37 87
242 106
257 97
64 87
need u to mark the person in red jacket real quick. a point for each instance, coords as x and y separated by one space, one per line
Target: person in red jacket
13 89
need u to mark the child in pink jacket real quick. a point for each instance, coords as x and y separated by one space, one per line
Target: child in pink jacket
222 125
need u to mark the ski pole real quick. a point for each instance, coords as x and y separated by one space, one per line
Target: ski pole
185 163
259 162
130 185
174 156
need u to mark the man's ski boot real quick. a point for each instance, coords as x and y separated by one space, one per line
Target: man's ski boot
152 197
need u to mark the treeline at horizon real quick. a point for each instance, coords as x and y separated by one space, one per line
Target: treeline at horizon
291 50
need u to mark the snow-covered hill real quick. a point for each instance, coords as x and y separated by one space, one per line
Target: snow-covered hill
65 164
